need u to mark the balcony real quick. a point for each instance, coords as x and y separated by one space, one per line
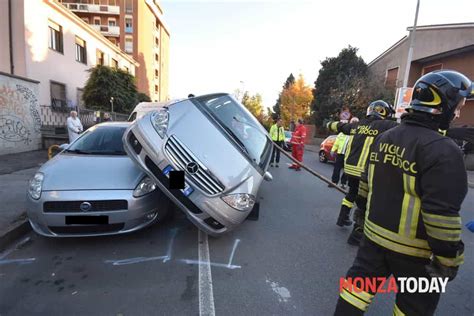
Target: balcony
107 30
93 8
128 29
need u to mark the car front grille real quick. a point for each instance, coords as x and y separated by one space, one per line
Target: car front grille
182 156
75 206
87 229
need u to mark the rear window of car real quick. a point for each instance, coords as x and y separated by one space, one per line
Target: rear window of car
105 140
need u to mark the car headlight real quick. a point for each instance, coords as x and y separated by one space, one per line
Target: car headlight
145 186
159 120
240 201
36 185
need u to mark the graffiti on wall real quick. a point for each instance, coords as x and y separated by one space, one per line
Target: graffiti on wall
20 121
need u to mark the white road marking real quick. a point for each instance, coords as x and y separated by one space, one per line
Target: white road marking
236 242
134 260
206 294
212 264
282 292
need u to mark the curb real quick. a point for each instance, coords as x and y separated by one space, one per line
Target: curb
14 233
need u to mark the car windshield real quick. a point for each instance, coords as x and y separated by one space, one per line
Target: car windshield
100 140
239 124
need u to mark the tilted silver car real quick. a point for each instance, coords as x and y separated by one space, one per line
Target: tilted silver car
221 147
93 188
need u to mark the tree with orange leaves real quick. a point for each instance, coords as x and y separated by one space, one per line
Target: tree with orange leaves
296 101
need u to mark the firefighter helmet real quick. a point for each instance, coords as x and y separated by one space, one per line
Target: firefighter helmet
439 93
380 109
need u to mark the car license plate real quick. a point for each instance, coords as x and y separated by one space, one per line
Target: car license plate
87 220
187 188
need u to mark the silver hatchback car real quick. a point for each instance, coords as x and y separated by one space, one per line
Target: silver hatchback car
92 188
222 149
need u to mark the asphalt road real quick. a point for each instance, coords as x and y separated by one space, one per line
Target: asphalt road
287 263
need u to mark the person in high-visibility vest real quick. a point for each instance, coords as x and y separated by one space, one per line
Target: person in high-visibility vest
297 141
277 134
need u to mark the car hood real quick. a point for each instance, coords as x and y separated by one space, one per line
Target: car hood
90 172
208 144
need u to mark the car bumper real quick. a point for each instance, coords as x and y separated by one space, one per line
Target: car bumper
140 212
209 213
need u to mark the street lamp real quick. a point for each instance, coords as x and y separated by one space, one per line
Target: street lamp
112 105
412 44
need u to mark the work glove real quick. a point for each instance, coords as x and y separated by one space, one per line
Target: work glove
437 270
461 133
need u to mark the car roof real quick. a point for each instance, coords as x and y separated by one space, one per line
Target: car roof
117 124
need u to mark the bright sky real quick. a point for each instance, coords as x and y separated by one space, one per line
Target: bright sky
220 46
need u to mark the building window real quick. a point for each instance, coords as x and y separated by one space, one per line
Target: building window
157 41
114 63
58 95
112 22
156 89
80 101
430 68
129 45
100 60
55 37
81 53
96 21
156 57
128 25
391 78
128 6
156 73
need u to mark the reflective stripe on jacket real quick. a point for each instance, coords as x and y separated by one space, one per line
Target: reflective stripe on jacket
416 185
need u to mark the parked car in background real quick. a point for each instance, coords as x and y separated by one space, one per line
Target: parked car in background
287 145
92 188
222 149
325 150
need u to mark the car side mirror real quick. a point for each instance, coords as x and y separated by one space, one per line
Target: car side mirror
267 176
63 146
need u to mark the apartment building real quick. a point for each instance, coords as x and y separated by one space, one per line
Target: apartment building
52 45
138 28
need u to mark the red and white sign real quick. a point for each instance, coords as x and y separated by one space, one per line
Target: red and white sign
402 100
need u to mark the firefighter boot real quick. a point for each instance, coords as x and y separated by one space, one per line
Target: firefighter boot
355 236
343 219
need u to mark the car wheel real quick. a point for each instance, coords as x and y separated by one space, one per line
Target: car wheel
322 157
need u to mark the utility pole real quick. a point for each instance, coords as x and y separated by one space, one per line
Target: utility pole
412 44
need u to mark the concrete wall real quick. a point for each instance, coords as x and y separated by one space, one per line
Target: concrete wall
20 120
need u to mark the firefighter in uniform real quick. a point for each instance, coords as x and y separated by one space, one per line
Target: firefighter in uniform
412 224
357 151
297 140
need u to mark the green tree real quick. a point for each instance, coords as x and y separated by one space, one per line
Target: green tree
340 82
254 104
142 97
277 107
106 82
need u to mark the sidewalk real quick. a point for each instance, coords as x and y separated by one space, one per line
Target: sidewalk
15 172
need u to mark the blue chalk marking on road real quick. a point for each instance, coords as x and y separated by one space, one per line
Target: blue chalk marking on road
134 260
236 242
174 231
19 261
213 264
